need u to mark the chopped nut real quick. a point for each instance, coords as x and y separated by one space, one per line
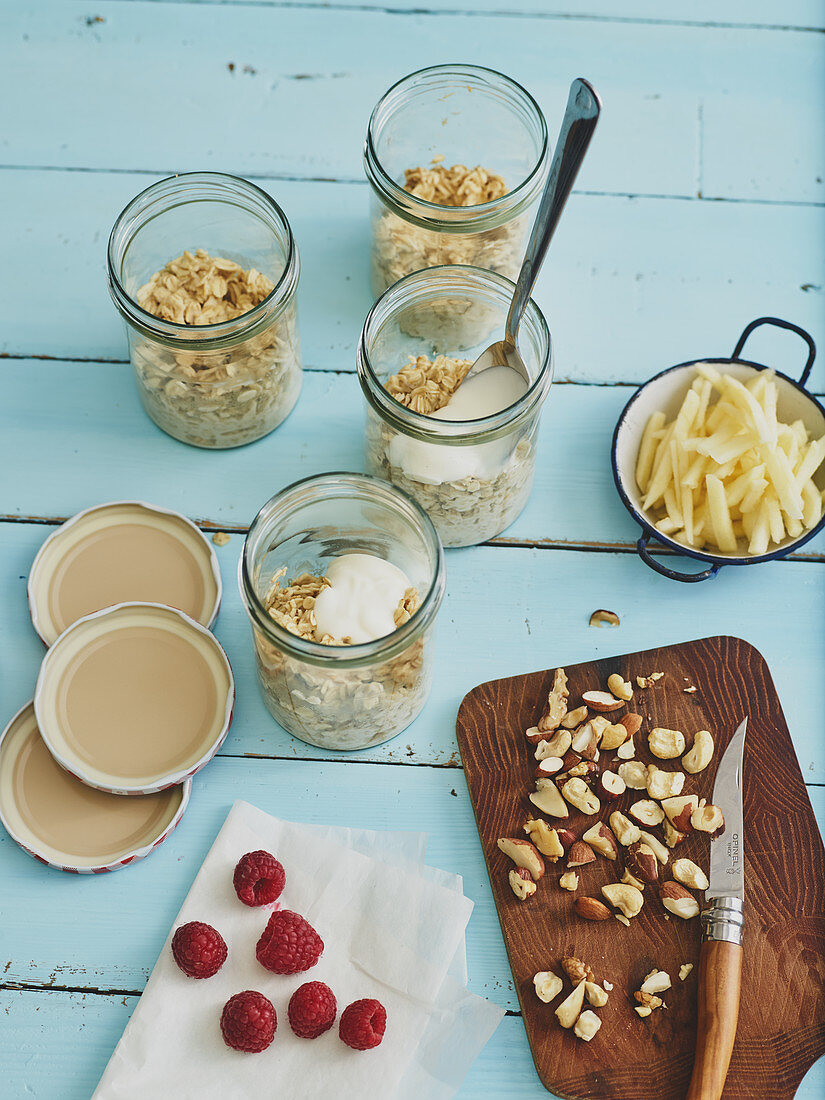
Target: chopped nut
548 985
707 819
521 883
576 970
550 766
586 742
653 842
684 970
700 754
580 854
568 1011
649 681
623 829
643 1010
689 874
595 994
602 617
620 687
641 861
678 901
647 812
622 919
648 1000
632 723
601 840
634 773
569 881
614 736
627 899
631 880
523 854
545 839
591 909
556 703
578 794
574 718
607 985
548 799
690 690
662 784
601 701
558 745
666 744
679 810
626 751
672 835
587 1025
657 981
221 538
611 785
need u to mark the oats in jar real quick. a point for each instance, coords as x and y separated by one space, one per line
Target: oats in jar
471 491
216 397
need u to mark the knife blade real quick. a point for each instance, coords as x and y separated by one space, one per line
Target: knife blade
720 957
727 871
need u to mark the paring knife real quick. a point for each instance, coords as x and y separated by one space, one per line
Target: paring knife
720 958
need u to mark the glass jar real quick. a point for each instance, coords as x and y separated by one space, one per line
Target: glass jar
342 696
452 114
212 385
479 473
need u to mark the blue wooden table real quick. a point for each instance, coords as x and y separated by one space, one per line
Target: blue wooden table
700 207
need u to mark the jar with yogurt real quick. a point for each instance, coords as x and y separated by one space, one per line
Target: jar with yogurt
342 577
463 447
204 269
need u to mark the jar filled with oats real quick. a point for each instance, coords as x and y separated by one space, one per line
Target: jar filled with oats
457 156
203 268
465 450
342 577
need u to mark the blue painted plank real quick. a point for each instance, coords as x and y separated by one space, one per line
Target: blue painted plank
108 449
294 76
801 14
534 614
630 286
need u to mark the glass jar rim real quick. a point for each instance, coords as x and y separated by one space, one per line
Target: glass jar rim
457 432
128 223
364 653
457 219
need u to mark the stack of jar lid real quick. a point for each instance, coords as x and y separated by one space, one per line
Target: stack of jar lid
134 695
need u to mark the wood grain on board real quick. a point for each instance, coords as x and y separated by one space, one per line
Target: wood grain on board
782 1014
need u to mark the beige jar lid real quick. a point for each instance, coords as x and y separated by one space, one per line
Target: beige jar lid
117 553
135 698
65 824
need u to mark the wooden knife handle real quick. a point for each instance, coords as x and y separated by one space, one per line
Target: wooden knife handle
720 980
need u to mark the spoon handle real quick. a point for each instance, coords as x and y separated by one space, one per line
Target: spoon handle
578 124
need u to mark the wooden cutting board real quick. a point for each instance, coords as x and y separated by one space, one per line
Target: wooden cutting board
782 1015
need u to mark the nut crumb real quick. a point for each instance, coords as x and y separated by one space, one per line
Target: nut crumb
649 681
690 690
221 538
684 970
603 617
622 919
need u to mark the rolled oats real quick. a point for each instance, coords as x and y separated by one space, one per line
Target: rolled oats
338 708
216 398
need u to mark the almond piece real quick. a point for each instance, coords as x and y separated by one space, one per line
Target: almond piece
678 901
580 854
601 840
632 723
611 785
647 812
534 735
591 909
601 701
523 854
567 837
548 767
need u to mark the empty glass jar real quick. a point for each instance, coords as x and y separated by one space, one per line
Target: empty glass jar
444 116
342 696
217 384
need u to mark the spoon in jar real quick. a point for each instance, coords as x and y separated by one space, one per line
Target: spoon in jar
578 124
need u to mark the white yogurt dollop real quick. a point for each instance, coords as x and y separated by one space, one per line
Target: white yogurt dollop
480 395
364 594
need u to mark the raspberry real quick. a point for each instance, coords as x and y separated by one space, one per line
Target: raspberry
289 944
363 1024
259 878
199 950
248 1022
312 1010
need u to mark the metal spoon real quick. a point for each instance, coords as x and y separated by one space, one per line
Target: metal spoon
578 124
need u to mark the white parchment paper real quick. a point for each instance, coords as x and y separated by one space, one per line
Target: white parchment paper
392 929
